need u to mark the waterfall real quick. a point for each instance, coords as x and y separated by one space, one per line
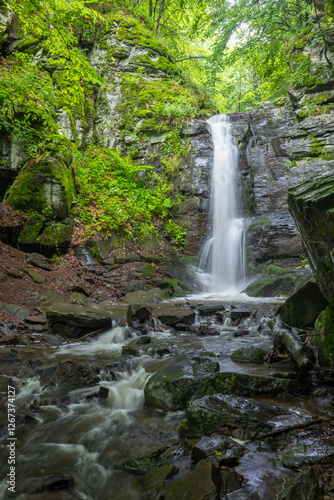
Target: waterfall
223 255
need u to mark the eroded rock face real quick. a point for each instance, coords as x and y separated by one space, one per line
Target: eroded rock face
312 202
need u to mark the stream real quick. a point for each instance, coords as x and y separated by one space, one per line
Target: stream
76 430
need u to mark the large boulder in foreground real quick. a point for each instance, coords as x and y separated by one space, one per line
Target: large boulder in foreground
304 306
246 417
312 205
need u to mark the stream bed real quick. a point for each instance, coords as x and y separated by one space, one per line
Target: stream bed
86 428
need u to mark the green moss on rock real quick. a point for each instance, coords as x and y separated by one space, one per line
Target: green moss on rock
324 337
56 236
30 234
43 186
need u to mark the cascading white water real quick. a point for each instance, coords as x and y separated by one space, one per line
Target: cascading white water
223 254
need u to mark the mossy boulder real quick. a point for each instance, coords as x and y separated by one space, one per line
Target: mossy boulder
244 384
248 355
324 337
281 286
29 234
172 287
304 306
172 387
43 186
55 237
207 414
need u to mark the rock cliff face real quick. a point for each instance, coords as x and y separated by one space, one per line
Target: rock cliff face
279 148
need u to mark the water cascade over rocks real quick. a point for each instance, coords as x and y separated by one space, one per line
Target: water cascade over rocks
222 262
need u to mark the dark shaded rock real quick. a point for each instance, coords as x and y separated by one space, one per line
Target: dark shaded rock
305 453
207 331
41 261
210 308
103 393
172 387
231 480
249 355
140 312
144 463
137 345
223 449
203 483
311 203
324 337
151 486
302 485
245 417
50 483
170 314
248 385
304 306
239 314
73 374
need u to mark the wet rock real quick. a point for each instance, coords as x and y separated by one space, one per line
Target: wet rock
140 312
244 384
224 450
241 333
136 346
151 486
221 315
244 417
41 261
143 297
302 485
203 483
50 483
172 387
145 463
305 453
103 393
249 355
231 480
170 314
304 306
36 277
73 374
210 308
239 314
92 317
